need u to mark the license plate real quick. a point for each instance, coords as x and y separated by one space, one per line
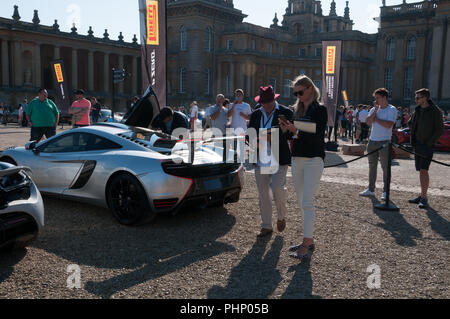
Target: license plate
213 184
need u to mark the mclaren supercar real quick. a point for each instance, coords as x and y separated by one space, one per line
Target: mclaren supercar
134 171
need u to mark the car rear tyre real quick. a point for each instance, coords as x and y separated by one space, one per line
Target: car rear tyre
128 201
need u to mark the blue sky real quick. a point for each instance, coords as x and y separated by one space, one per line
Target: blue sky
122 15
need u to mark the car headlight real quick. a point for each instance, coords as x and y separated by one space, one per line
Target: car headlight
14 187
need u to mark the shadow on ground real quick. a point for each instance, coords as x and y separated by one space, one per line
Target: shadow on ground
394 222
256 276
439 224
301 285
334 159
8 259
89 236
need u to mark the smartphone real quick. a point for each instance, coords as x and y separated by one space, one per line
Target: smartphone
282 118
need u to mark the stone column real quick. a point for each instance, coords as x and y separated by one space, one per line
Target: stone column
57 53
241 77
5 63
74 68
219 78
445 92
18 64
107 73
37 69
135 75
121 65
248 88
91 70
232 87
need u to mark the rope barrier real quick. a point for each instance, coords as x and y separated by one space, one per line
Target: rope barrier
357 159
424 157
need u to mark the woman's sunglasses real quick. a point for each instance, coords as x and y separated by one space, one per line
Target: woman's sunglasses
300 93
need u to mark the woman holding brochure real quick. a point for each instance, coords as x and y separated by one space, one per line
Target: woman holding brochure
308 154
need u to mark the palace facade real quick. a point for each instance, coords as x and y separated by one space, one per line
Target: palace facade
28 48
211 50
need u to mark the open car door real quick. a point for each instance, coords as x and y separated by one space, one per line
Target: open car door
144 112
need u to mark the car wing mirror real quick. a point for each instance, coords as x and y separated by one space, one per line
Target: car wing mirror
32 146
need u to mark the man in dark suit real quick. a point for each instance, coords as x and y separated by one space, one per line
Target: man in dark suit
168 121
272 163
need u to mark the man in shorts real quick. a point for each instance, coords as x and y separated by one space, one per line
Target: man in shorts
426 127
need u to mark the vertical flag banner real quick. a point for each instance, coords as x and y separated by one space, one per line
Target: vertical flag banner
154 47
331 61
60 79
345 96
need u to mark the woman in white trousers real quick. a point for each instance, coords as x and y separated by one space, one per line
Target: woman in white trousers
308 154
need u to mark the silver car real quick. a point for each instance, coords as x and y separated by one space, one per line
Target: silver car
136 172
21 208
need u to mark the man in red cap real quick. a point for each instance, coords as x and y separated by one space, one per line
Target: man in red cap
271 170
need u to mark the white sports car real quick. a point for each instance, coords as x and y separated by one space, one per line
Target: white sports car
136 172
21 208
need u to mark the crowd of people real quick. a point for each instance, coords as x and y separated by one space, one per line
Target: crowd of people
351 123
302 149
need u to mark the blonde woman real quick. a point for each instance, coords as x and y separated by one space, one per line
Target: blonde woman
308 154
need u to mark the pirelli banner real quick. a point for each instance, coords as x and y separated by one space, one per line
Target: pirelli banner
154 46
59 76
331 53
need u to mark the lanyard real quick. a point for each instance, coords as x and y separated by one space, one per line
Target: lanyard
268 120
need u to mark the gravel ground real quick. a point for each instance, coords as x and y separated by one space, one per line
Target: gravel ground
215 254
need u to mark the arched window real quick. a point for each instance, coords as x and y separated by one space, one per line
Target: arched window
183 80
411 48
183 38
208 39
390 49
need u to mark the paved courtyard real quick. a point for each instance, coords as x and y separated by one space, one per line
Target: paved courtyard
215 253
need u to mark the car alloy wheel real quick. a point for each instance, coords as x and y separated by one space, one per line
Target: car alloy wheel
128 201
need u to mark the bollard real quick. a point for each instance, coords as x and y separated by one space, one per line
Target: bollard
224 144
388 205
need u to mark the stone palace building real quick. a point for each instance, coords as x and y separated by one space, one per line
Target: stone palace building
28 48
211 50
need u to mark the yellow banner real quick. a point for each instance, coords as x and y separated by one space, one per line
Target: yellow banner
59 74
331 60
344 93
152 23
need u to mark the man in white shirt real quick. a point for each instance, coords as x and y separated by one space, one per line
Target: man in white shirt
240 113
362 118
194 114
219 114
382 119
